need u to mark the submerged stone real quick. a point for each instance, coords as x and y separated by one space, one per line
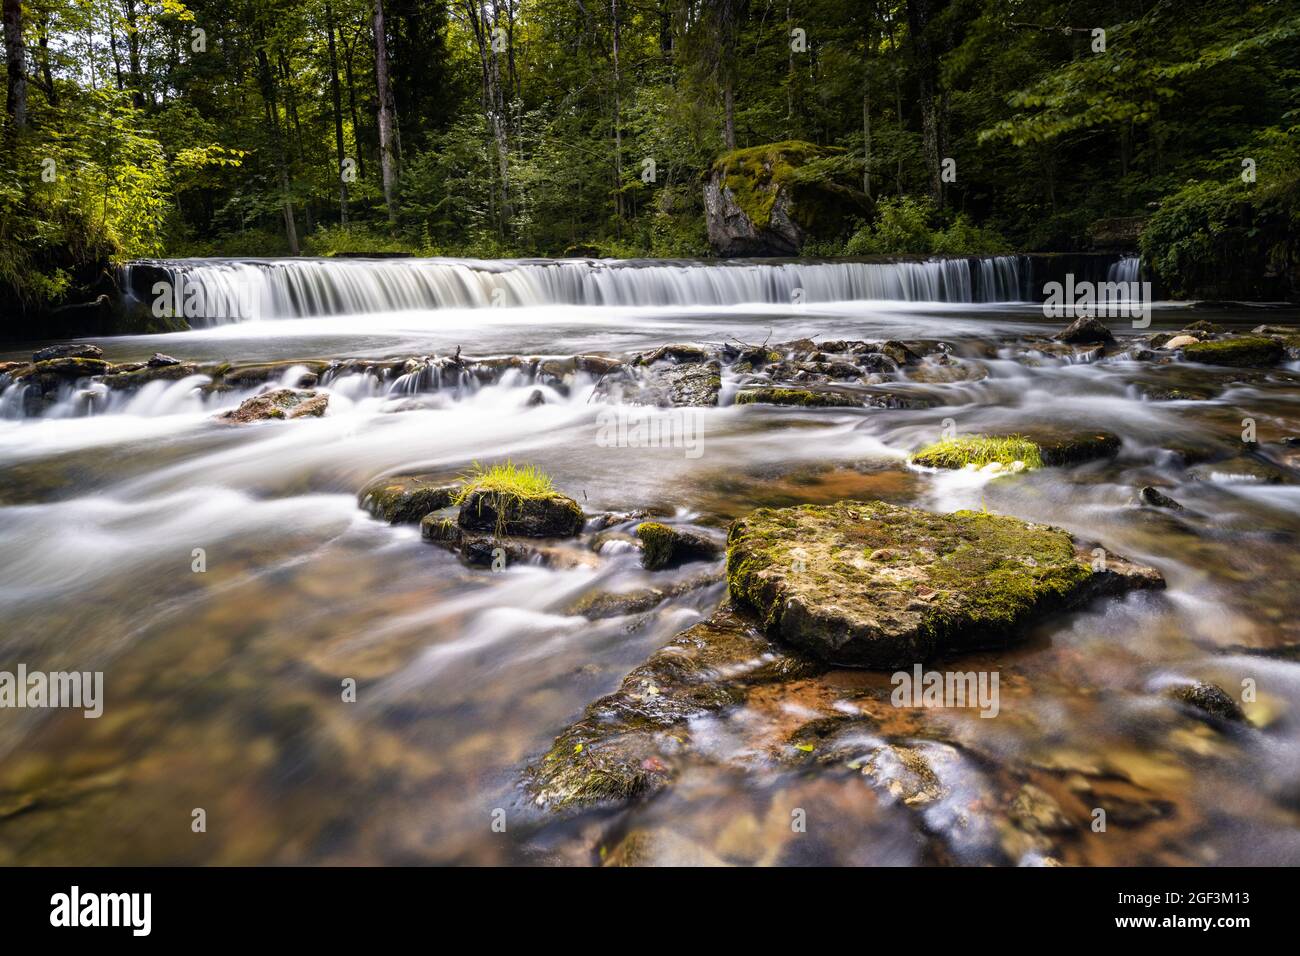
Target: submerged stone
624 744
879 585
1157 499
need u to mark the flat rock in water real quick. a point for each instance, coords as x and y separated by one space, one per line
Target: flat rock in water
405 499
799 397
879 585
1246 350
68 350
280 404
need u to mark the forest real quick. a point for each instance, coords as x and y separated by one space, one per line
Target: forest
472 128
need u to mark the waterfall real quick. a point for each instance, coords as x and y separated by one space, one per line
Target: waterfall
1127 269
217 291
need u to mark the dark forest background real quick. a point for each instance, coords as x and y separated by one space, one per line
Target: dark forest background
551 127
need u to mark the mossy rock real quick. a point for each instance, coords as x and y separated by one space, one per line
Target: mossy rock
405 499
624 745
665 547
131 378
503 513
879 585
766 200
800 397
1046 448
1243 351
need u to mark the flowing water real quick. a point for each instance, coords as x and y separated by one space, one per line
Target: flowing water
223 686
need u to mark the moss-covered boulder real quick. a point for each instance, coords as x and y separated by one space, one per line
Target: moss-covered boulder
665 547
1242 351
800 397
278 405
768 200
879 585
405 499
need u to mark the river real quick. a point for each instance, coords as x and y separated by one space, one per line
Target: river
223 685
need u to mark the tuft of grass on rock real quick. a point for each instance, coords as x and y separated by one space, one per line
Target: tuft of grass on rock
980 450
507 481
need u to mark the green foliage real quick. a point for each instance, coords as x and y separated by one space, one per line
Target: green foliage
508 480
980 450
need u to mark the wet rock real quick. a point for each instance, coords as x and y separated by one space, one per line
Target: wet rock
802 397
625 743
1157 499
677 352
159 360
1208 698
535 398
1061 447
542 516
489 550
687 385
610 519
67 350
878 585
1243 468
1085 330
126 378
1180 341
606 604
243 376
440 527
57 370
405 499
665 547
1250 350
899 353
280 404
1177 393
1039 447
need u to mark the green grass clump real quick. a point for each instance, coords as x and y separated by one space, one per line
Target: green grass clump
507 481
979 450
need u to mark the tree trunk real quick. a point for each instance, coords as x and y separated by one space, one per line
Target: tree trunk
51 92
618 132
277 138
337 98
920 14
16 58
387 142
133 56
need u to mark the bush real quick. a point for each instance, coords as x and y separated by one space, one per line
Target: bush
907 226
